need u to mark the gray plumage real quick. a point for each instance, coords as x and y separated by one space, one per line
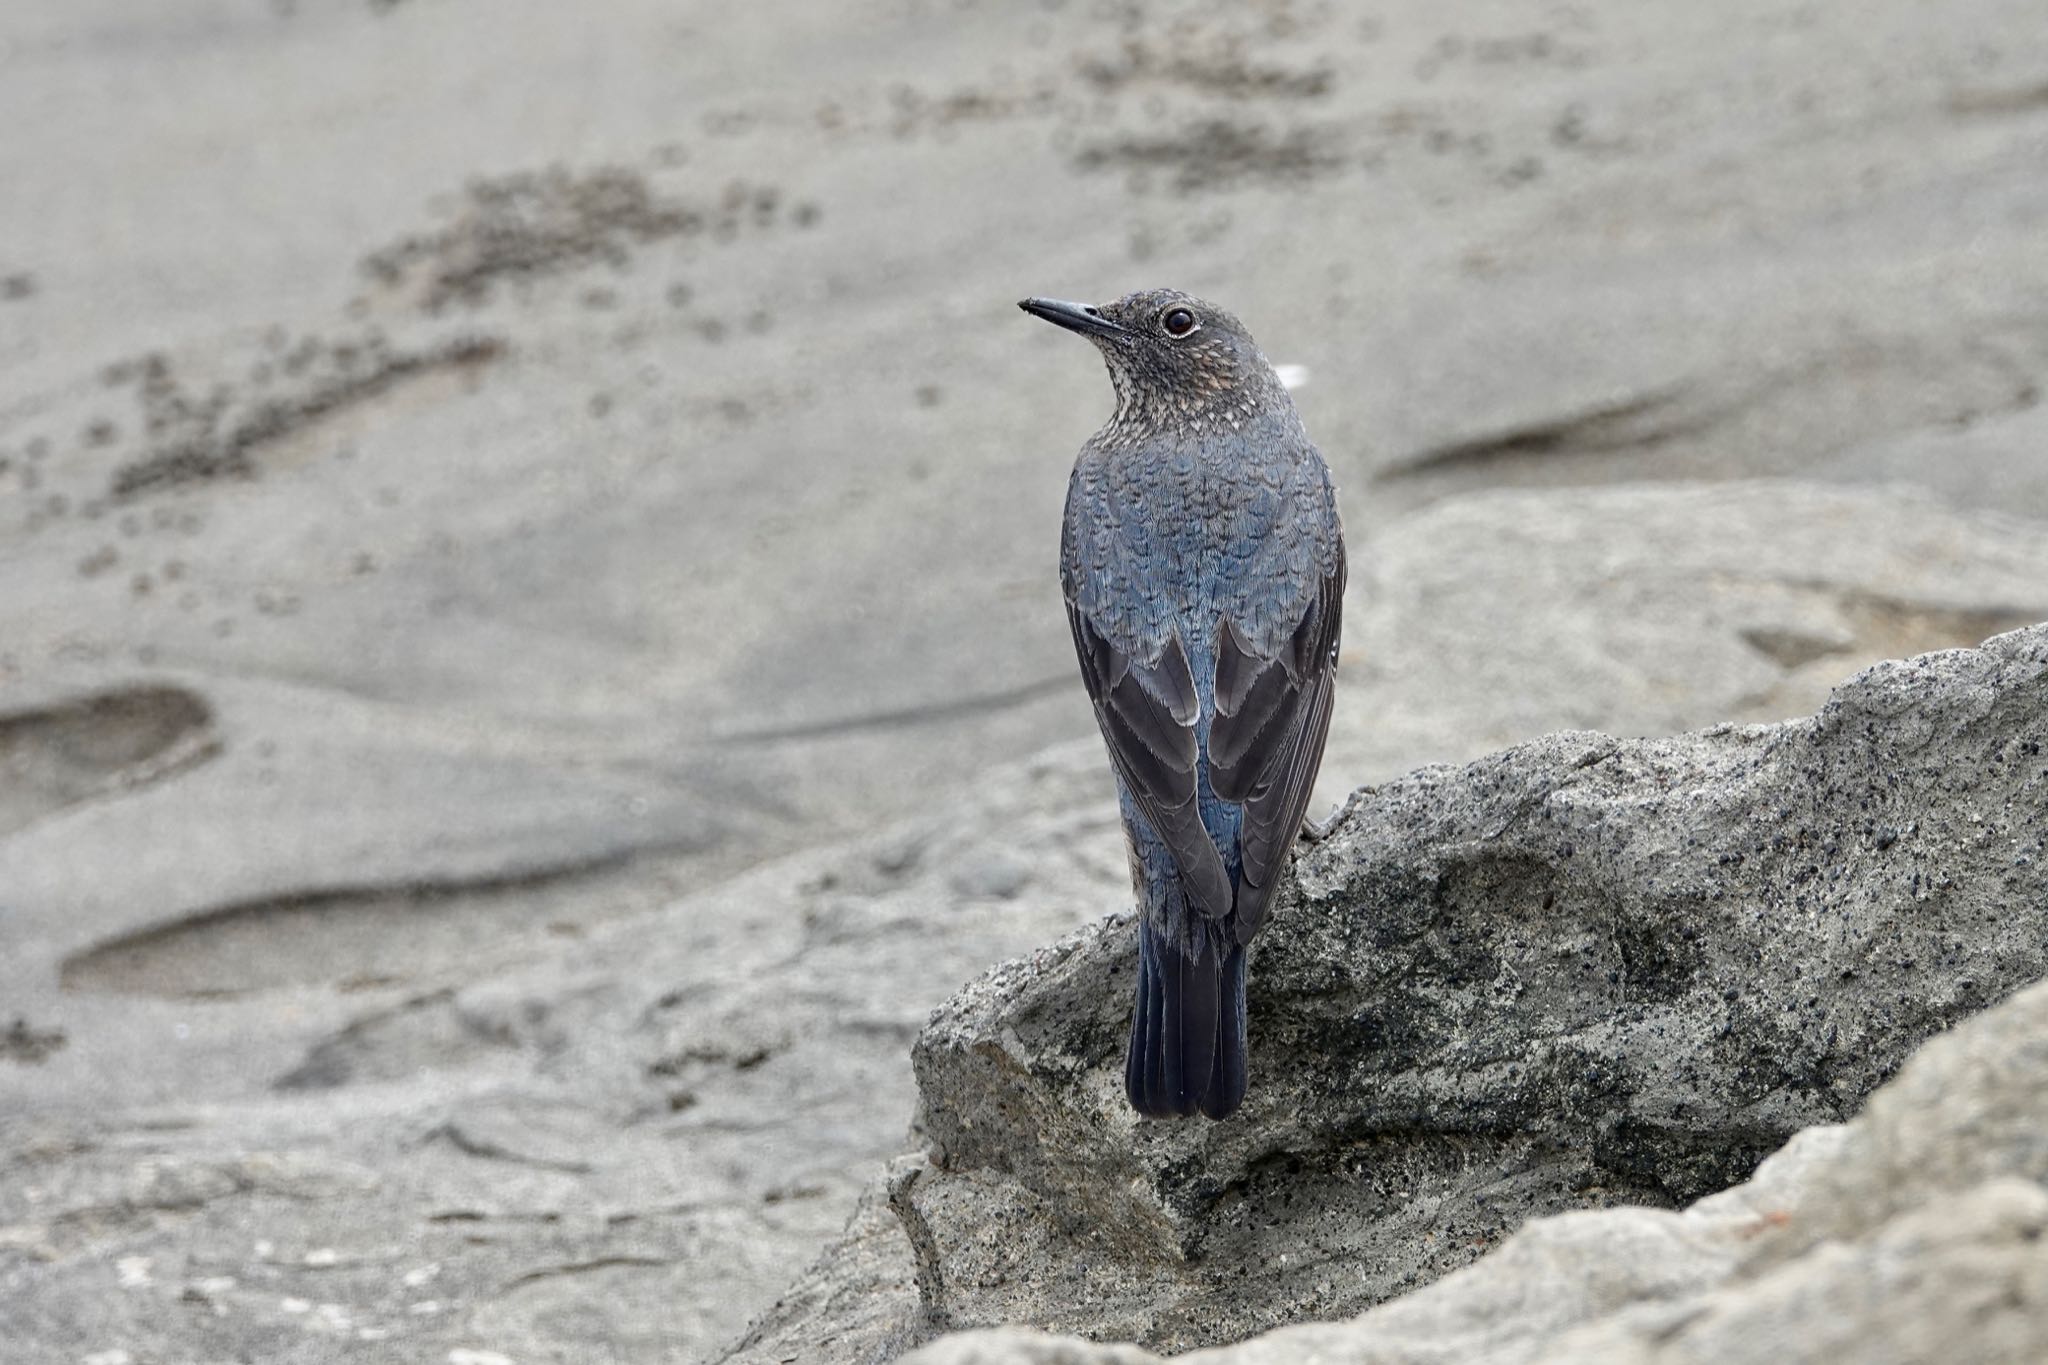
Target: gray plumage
1203 563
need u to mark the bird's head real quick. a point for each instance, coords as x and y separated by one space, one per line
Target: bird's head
1169 354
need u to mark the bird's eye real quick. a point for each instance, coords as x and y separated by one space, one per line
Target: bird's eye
1178 322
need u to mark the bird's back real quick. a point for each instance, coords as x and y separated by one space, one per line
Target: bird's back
1174 533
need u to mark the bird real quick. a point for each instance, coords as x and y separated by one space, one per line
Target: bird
1202 561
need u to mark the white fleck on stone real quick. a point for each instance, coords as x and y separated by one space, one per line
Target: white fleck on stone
425 1307
133 1270
117 1356
214 1284
372 1333
322 1256
462 1355
296 1305
420 1275
264 1249
332 1316
1291 376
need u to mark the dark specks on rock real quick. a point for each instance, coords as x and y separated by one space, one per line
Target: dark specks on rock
1467 1050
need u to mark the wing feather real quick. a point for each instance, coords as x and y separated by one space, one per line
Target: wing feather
1266 744
1148 713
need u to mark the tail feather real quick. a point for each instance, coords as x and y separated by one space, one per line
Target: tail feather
1187 1051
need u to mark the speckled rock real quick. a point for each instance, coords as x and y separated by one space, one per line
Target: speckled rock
428 590
1583 972
1912 1234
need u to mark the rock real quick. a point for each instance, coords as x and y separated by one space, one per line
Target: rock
1022 1346
864 1286
1582 972
1994 463
590 1155
656 1022
1912 1234
997 874
389 697
1482 621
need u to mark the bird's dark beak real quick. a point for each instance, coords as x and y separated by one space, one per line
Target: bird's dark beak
1084 318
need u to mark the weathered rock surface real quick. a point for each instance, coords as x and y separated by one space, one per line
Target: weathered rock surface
536 1020
1581 972
1644 609
425 590
621 1149
1913 1234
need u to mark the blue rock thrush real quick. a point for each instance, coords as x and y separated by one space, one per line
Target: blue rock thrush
1203 562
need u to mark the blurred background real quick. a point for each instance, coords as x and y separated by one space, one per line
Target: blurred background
530 648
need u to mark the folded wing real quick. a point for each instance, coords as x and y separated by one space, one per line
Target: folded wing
1148 713
1266 744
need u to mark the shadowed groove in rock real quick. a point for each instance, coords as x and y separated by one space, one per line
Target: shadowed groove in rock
1639 423
56 756
351 936
1990 375
1999 101
1886 626
930 713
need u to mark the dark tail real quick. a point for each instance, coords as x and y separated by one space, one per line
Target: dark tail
1187 1036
